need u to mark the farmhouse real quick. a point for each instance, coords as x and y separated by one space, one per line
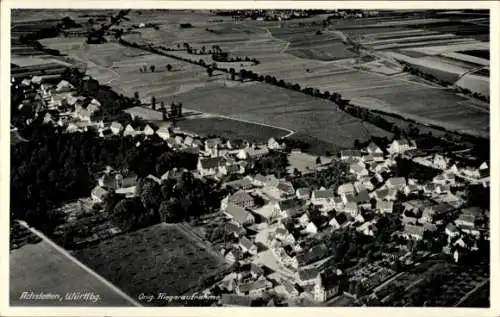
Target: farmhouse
210 166
326 286
385 207
164 132
98 194
116 128
303 193
397 183
413 231
350 154
374 149
401 146
247 246
239 215
346 189
242 199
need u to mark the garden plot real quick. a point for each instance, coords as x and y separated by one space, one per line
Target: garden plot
157 259
475 83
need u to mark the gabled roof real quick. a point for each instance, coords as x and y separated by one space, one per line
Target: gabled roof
240 196
329 281
99 192
350 153
451 227
288 204
246 243
381 193
341 218
313 254
384 205
308 274
239 214
396 181
414 230
325 194
290 288
212 162
285 187
116 125
362 196
256 269
345 188
213 142
304 191
372 147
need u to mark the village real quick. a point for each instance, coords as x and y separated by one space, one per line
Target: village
278 232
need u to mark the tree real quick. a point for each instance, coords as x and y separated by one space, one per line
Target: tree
136 95
153 102
179 109
152 67
210 72
129 214
318 160
169 67
173 110
170 211
149 193
356 143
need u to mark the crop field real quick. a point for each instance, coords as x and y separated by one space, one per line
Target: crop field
42 268
319 119
231 129
157 259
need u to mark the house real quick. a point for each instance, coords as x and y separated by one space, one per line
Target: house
311 228
282 190
429 188
282 207
252 152
164 133
385 207
345 189
322 197
413 231
239 215
130 131
397 183
247 246
272 144
308 276
287 288
256 271
358 169
411 189
350 154
98 194
440 162
260 180
233 255
212 146
367 228
233 300
84 115
304 220
401 146
210 166
64 86
363 198
237 144
338 221
283 235
303 193
149 130
231 169
466 219
373 148
116 128
242 199
326 286
351 208
253 289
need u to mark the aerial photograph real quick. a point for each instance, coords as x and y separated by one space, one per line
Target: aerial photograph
244 158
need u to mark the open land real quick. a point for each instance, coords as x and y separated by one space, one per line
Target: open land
157 259
44 268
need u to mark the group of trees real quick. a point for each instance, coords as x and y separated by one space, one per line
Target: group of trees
333 176
172 201
53 168
144 68
427 76
274 163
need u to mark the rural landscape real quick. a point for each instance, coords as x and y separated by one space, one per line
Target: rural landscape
234 158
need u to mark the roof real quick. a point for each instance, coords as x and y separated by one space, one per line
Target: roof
285 187
313 254
451 227
396 181
236 300
414 230
362 196
240 196
357 167
237 143
212 162
99 192
381 193
213 142
318 194
351 205
350 153
329 280
308 274
242 183
467 218
256 269
288 204
246 243
231 227
262 150
384 205
372 147
290 288
345 188
239 214
281 231
303 191
260 284
474 210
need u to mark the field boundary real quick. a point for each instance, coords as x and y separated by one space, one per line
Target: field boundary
79 264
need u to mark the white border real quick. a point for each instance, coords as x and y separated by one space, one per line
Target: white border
6 5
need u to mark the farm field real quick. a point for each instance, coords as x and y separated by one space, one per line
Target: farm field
231 129
157 259
42 268
318 119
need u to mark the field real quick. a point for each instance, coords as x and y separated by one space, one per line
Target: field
231 129
157 259
257 102
42 268
374 84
